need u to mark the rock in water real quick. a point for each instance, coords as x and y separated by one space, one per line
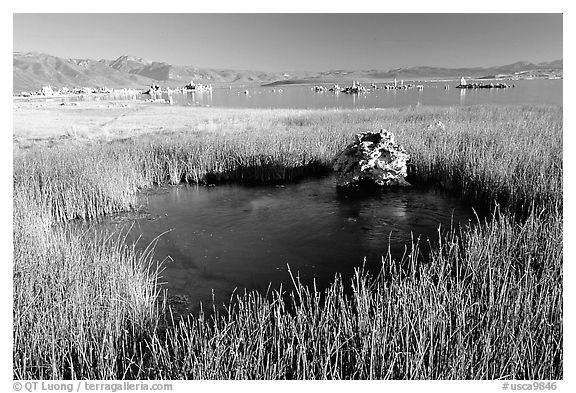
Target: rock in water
373 159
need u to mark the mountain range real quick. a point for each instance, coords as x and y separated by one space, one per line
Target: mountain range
33 70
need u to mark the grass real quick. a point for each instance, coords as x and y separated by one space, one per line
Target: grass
76 296
486 304
473 312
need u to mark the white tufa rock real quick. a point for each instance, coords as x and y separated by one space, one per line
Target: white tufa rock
439 126
373 159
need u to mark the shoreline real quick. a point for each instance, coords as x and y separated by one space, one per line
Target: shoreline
303 82
40 122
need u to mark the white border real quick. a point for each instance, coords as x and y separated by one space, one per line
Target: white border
230 6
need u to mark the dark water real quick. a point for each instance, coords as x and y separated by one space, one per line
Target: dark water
232 236
434 93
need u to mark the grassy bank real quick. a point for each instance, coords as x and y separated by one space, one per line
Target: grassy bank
480 311
487 305
512 154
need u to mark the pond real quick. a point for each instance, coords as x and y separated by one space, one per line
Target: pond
216 239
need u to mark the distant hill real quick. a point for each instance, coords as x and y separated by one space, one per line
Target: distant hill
178 74
33 70
422 72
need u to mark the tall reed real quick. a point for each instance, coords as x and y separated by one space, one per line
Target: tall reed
476 310
77 298
486 298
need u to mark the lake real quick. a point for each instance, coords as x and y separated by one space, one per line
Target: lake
433 93
537 91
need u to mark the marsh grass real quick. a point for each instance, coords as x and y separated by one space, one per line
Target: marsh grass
510 155
476 311
77 298
487 304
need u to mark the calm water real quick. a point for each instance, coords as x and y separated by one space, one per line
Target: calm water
434 93
229 236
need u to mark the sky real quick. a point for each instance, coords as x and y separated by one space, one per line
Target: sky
297 42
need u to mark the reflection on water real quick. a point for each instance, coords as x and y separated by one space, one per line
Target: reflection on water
203 98
230 236
537 91
432 93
